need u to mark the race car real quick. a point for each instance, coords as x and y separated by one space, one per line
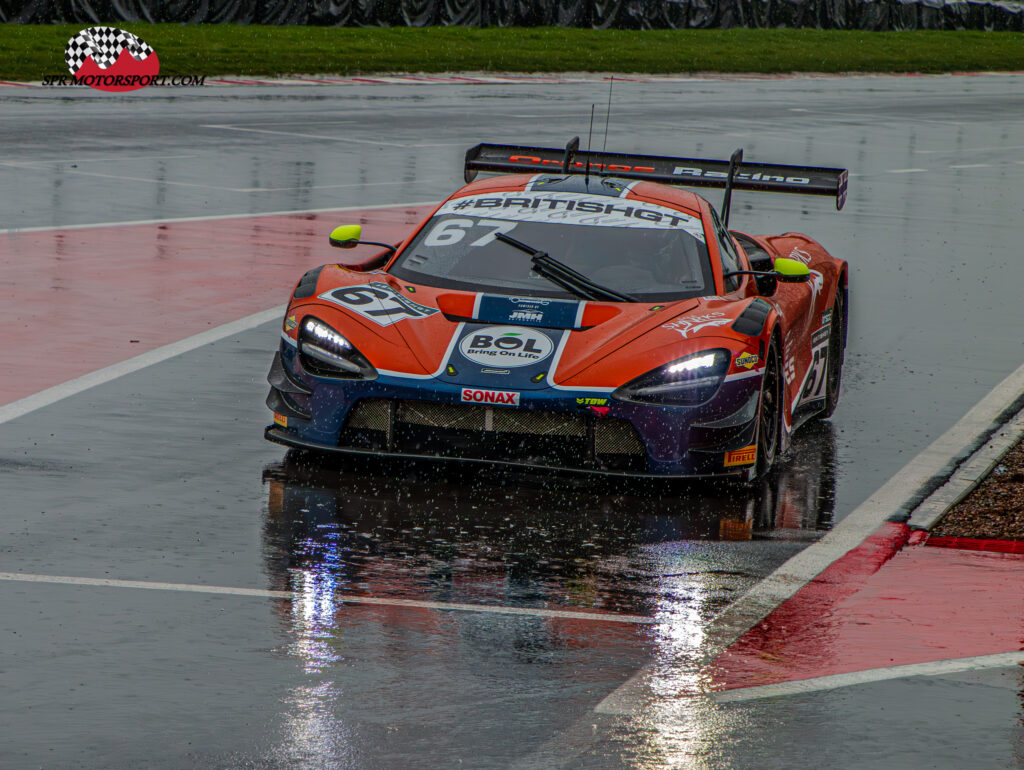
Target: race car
574 310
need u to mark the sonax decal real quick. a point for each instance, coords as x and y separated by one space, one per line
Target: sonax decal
477 396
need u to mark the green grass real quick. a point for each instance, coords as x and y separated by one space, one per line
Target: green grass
29 52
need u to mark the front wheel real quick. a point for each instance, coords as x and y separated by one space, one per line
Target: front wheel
769 413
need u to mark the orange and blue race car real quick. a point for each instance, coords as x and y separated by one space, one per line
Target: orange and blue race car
573 310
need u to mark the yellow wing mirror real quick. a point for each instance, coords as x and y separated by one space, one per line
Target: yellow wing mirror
346 236
791 270
350 236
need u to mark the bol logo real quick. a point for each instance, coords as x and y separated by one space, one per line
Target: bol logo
506 346
110 59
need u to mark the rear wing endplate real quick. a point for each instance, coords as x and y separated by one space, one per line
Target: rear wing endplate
687 172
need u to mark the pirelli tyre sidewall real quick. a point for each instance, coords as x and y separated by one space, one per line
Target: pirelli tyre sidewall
769 413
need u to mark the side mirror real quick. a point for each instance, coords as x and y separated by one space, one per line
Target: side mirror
346 236
791 270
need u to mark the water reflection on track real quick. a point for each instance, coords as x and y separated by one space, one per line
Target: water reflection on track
477 534
672 552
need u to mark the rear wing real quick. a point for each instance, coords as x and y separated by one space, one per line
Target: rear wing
731 174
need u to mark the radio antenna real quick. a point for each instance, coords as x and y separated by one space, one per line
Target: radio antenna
608 114
590 133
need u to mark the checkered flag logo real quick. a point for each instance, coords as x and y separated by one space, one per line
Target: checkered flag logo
104 45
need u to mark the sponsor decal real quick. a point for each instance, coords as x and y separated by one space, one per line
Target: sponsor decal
821 336
496 371
789 370
758 177
747 360
528 311
290 323
523 315
800 255
592 401
280 419
745 456
378 302
502 210
506 346
533 159
826 317
478 396
694 323
816 282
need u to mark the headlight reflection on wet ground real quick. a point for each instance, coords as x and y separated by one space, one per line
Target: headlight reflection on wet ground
314 617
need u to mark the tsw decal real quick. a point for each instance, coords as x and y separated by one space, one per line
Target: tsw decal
378 302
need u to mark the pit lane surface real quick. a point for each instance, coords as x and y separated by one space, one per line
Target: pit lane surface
161 476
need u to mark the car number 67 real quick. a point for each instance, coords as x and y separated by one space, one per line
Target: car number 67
452 231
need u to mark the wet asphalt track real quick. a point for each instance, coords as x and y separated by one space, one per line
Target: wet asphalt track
163 475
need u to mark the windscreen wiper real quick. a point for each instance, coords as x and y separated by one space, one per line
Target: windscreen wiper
546 266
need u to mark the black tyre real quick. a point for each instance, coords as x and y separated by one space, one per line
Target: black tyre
836 354
769 413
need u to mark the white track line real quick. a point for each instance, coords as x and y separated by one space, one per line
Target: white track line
822 683
895 497
212 217
340 598
72 387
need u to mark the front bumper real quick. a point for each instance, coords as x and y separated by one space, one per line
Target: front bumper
550 428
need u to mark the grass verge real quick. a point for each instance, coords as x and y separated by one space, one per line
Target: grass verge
29 52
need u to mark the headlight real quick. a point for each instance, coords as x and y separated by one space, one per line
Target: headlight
326 353
687 382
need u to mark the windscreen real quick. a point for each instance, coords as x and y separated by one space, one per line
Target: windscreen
642 249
